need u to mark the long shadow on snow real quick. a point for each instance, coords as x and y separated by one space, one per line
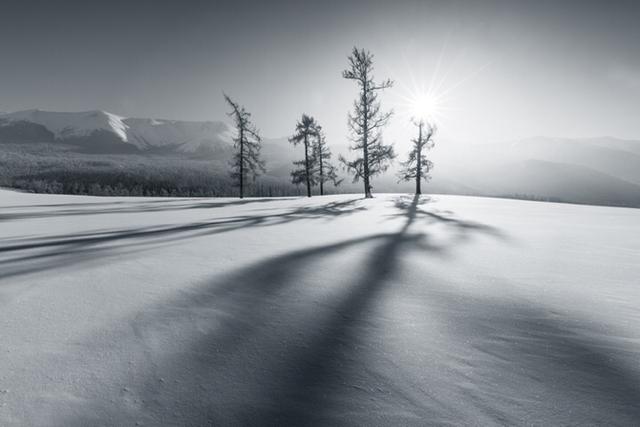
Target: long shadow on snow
81 209
294 385
552 369
68 249
238 374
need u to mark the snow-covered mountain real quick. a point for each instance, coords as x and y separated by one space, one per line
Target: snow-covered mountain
103 131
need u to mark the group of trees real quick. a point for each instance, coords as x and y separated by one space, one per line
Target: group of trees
316 167
365 121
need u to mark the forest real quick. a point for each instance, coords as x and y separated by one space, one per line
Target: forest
58 169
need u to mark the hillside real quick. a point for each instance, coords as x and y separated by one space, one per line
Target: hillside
338 310
601 171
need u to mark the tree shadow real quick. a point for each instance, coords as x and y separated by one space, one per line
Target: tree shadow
304 358
123 207
254 348
464 228
552 369
316 374
37 254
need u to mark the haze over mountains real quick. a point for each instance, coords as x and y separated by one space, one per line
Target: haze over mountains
602 171
591 170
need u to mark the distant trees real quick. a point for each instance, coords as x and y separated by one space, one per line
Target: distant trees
246 162
417 166
366 121
326 170
306 129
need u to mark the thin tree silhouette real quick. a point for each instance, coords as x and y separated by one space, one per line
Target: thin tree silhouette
246 161
306 129
326 170
366 121
417 166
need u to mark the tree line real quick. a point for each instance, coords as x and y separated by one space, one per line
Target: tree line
54 169
365 122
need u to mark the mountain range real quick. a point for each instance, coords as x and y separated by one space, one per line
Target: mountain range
102 132
603 170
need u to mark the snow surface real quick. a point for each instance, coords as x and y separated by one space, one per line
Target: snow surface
338 310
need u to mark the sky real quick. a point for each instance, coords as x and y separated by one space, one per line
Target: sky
491 70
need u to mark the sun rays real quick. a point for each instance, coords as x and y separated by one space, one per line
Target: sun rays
428 92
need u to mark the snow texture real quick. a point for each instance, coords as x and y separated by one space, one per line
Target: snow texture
335 310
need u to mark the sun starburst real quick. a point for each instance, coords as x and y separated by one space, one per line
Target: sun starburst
429 96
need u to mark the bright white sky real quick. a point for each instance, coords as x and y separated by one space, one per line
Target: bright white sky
502 69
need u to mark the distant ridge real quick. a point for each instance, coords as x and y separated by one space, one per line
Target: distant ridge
98 129
601 170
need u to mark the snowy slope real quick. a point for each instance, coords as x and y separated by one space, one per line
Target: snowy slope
144 134
67 125
333 311
598 170
187 136
605 155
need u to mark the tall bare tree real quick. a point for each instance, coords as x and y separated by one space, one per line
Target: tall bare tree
305 131
326 170
246 162
417 166
366 121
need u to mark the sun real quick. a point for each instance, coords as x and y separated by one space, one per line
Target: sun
425 106
426 91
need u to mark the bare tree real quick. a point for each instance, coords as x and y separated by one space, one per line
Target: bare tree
417 166
305 131
246 162
326 170
366 121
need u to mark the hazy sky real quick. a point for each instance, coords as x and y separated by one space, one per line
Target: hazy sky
509 69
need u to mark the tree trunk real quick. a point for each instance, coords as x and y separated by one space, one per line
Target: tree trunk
418 158
241 163
306 164
365 141
365 172
321 174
